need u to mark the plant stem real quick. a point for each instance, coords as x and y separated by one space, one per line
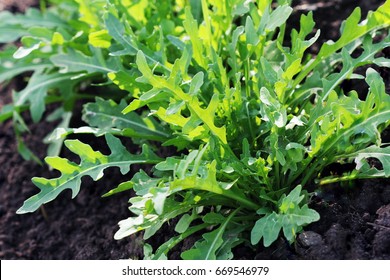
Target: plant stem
307 163
348 177
243 200
309 174
176 240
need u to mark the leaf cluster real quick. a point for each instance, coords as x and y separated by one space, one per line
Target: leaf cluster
254 118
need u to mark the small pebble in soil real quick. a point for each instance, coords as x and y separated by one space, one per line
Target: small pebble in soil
383 216
366 217
308 239
308 244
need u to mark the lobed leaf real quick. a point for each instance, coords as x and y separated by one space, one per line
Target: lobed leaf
92 164
14 26
198 114
75 61
106 115
207 249
382 154
290 218
35 92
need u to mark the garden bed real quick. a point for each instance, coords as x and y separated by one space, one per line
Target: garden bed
354 224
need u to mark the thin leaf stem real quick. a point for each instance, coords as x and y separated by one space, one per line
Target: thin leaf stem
221 230
241 199
349 177
171 243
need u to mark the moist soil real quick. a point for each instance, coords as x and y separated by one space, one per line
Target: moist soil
355 217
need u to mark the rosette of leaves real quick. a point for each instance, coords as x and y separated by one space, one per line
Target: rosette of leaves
254 120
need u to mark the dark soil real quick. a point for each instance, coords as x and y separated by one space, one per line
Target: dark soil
355 220
17 5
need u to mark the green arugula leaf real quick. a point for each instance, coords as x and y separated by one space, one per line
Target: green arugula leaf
163 250
267 228
14 26
198 114
92 164
11 67
350 64
35 92
106 114
382 154
290 218
207 249
75 61
278 17
151 222
351 31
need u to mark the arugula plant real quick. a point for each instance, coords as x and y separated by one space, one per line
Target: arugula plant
253 117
